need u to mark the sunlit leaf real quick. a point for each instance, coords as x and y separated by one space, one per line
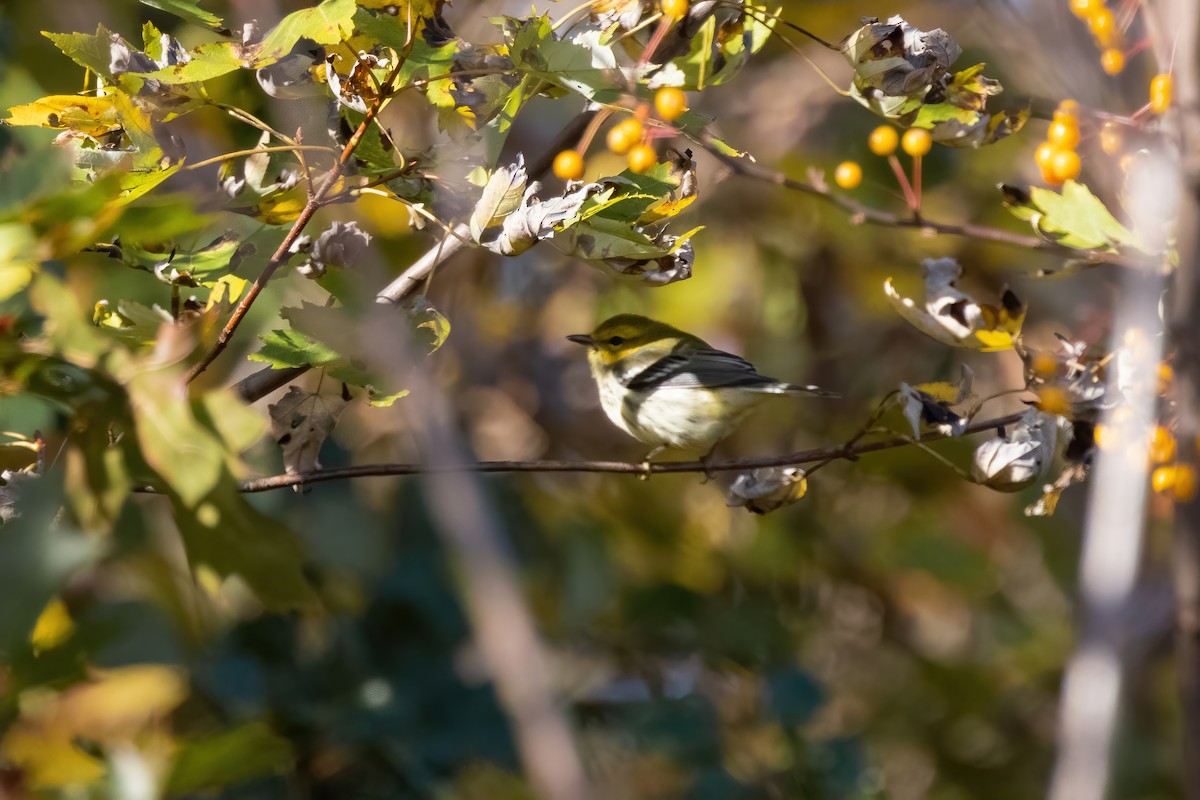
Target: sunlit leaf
1073 218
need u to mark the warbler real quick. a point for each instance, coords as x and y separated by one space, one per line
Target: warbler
667 388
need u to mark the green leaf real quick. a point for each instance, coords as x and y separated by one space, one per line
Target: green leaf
329 23
231 536
209 60
188 11
18 262
206 265
285 349
427 318
186 454
1075 218
130 321
718 54
90 51
536 50
227 758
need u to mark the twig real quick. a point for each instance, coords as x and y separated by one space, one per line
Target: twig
843 451
265 381
860 214
282 253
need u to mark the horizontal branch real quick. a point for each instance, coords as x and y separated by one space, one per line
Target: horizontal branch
861 214
822 454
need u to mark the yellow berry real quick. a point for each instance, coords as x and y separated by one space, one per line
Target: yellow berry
848 175
1112 61
1064 134
674 9
670 103
1044 365
1104 437
1162 446
1110 139
1044 155
1160 93
624 135
568 165
642 158
1052 400
1065 166
916 142
883 140
1184 489
1066 109
1166 374
1102 22
1162 480
1084 8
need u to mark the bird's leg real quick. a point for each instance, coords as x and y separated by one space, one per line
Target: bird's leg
645 475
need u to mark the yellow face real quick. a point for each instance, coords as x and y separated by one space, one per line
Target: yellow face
618 337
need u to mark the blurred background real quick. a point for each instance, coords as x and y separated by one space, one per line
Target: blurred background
899 633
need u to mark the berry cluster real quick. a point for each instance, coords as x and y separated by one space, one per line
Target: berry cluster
883 142
629 137
1056 156
1108 33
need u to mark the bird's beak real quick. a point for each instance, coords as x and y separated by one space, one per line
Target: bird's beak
581 338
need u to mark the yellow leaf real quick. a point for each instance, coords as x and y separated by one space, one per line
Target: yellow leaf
665 210
48 761
91 115
994 341
53 627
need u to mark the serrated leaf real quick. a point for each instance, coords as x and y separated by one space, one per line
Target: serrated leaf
536 50
428 318
285 349
951 316
329 23
209 60
717 54
90 51
1075 218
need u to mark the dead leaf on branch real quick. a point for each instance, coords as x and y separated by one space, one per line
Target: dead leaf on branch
1018 455
301 422
953 317
766 489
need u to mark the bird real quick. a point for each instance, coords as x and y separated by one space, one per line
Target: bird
670 389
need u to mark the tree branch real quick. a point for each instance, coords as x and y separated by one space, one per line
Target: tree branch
849 451
860 214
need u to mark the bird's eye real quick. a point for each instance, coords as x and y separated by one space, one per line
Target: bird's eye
616 341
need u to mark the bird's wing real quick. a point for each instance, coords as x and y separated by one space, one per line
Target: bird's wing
703 368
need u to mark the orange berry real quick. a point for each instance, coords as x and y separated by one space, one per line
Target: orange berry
1162 446
916 142
1052 400
883 140
670 103
568 165
1104 437
674 9
848 175
1112 61
1044 155
1102 22
1110 139
1166 374
1160 93
1065 166
1067 109
642 158
624 135
1184 489
1064 134
1084 8
1044 365
1162 480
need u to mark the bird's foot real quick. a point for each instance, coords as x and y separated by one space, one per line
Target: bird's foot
644 475
704 462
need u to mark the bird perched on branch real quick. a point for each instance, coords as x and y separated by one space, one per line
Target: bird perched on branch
667 388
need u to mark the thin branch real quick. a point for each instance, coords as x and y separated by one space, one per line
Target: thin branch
860 214
265 381
283 252
849 451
